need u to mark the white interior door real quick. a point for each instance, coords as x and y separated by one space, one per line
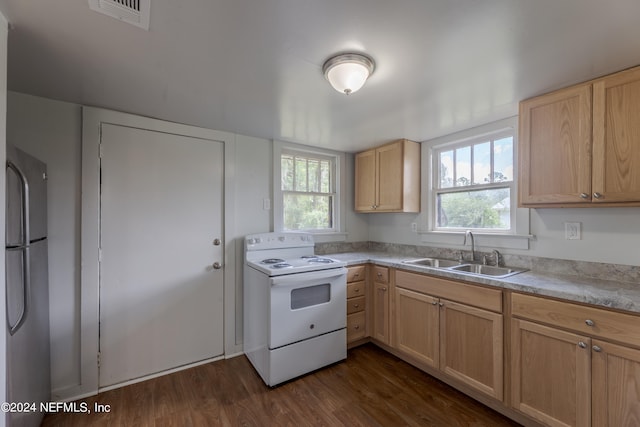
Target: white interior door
161 301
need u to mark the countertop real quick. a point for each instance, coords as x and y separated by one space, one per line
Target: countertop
604 293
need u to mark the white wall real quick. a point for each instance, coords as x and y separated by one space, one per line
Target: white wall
51 131
253 184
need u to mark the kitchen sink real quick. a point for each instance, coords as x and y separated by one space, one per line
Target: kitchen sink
432 262
487 270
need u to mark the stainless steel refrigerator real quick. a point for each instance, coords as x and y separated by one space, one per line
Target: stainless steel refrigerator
27 286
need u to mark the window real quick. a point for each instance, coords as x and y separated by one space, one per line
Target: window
475 184
308 185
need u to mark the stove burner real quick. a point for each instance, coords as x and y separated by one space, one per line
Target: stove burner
271 261
321 260
281 265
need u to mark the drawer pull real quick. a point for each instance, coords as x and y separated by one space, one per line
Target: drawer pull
356 327
356 305
379 274
589 322
356 275
356 290
597 349
582 345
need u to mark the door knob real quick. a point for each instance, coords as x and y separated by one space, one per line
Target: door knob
217 266
216 242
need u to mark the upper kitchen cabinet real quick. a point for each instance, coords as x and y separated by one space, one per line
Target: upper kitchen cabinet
555 147
580 146
616 138
387 178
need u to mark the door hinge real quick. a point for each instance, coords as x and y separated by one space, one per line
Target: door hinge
100 150
99 359
100 255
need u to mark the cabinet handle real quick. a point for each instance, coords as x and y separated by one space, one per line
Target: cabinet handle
582 345
356 327
356 305
356 290
435 303
584 195
384 289
356 275
597 349
441 304
597 195
589 322
379 274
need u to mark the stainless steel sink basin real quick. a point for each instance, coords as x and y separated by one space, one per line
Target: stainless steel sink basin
432 262
487 270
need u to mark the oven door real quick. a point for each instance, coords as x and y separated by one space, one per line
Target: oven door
306 305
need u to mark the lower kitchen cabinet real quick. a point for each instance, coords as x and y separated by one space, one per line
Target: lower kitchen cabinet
550 374
565 373
381 298
471 347
463 341
417 324
615 386
356 304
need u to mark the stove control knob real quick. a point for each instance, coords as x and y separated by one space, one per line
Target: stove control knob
251 241
281 238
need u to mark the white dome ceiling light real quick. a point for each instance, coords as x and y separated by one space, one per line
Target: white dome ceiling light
348 72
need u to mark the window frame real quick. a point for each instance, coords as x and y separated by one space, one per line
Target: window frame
519 235
436 190
336 233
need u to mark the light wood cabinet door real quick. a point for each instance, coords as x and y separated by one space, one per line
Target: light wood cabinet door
390 161
555 147
387 178
616 138
417 327
365 181
615 386
550 374
381 312
471 347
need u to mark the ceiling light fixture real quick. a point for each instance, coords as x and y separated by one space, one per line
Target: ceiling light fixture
347 72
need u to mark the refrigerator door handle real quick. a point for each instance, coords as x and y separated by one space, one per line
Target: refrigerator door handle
26 271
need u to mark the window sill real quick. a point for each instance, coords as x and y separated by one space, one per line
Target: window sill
487 240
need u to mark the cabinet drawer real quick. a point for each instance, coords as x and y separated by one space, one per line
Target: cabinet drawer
355 305
356 326
355 289
355 274
381 274
592 321
489 299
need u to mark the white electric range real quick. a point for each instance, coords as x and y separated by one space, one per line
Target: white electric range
294 306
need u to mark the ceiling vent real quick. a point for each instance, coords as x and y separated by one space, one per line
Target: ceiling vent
135 12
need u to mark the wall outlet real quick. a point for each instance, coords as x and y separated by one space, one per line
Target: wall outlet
414 227
572 231
266 204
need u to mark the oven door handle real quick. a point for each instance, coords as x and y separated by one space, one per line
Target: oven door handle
296 279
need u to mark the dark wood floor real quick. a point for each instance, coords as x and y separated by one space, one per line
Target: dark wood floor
371 388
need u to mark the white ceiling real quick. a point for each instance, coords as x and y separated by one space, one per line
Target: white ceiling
254 67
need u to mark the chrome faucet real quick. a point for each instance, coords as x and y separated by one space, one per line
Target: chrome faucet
469 234
496 258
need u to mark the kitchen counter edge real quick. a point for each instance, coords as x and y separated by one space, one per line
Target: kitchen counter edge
604 293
